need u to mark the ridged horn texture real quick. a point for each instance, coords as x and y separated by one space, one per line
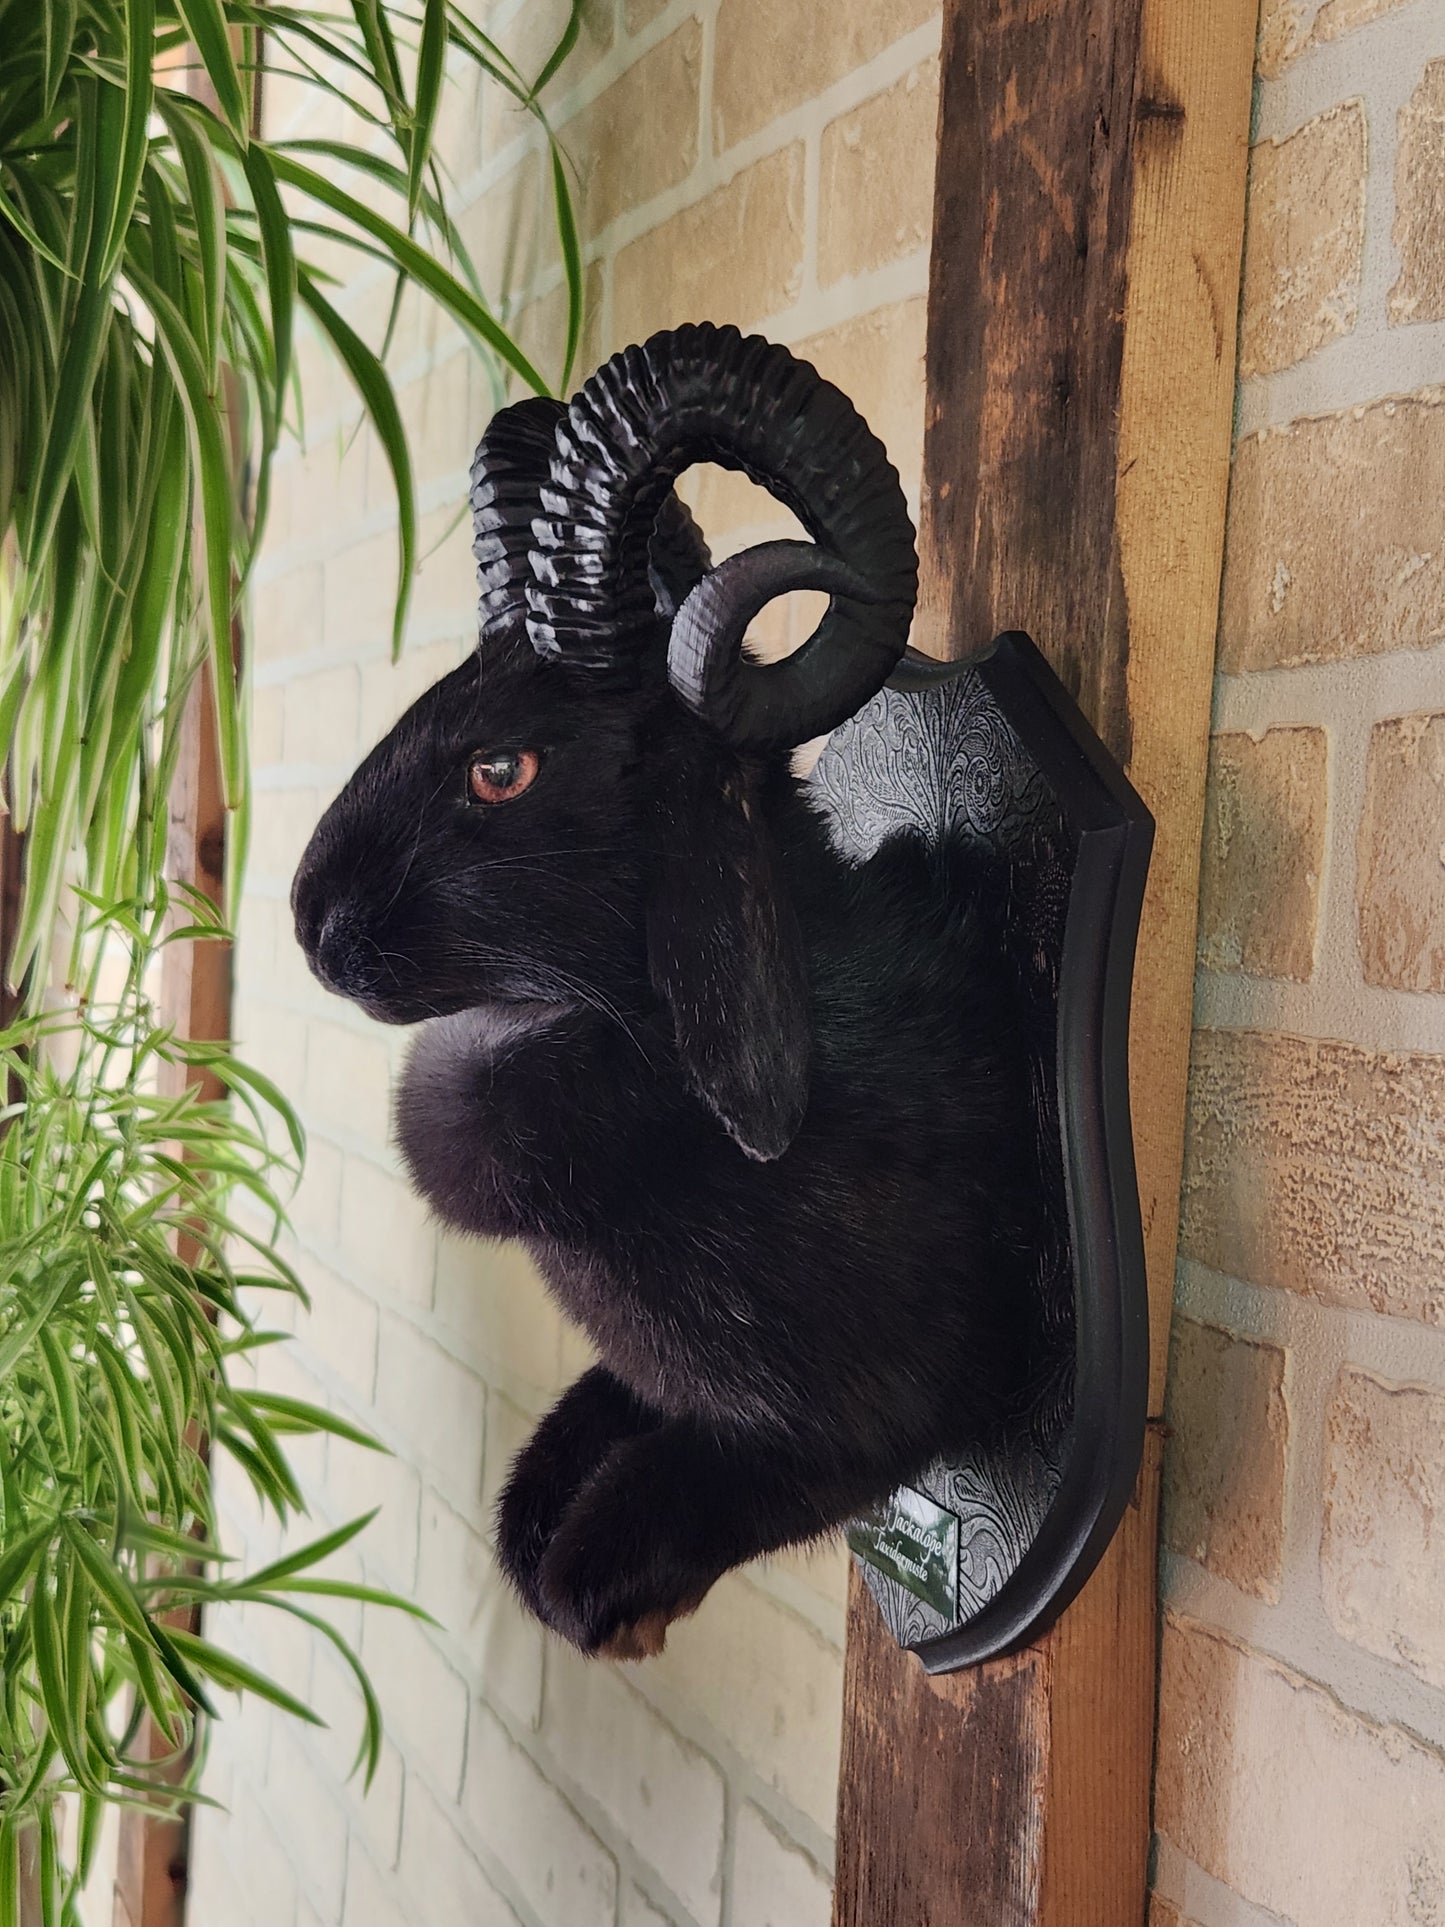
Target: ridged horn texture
509 469
707 394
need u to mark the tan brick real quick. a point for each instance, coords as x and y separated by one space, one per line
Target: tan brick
640 135
1299 1805
444 1885
641 13
1334 543
281 826
461 1586
436 1402
445 592
775 1884
1163 1913
322 712
286 614
1419 294
1225 1464
360 595
443 410
773 55
541 332
1264 849
1316 1166
561 1869
1401 857
1305 241
390 688
735 256
527 35
1287 28
267 710
1382 1555
877 361
876 198
507 230
770 1684
622 1756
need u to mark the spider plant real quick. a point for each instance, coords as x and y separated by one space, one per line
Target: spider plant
156 251
153 259
124 1370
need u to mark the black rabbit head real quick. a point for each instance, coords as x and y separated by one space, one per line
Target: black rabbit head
576 815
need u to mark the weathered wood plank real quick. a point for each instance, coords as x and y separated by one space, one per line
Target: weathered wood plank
1088 231
1176 416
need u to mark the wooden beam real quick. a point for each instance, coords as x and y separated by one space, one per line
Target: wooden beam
153 1849
1089 219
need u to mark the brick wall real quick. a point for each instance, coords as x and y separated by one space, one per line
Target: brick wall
745 160
1301 1767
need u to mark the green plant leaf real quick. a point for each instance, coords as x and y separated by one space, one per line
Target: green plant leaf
458 300
376 392
206 24
430 71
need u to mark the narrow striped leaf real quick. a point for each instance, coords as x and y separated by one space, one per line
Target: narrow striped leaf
206 24
212 463
374 387
458 300
430 72
140 33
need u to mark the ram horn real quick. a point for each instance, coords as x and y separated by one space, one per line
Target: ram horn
510 466
707 394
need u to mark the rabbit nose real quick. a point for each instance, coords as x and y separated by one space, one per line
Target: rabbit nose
340 954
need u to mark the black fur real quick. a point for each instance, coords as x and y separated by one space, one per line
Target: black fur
760 1114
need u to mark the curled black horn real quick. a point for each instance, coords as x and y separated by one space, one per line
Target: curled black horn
710 394
510 466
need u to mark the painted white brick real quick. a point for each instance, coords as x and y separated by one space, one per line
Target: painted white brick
370 1901
460 1584
622 1755
445 1886
340 1328
423 1700
560 1868
775 1884
348 1077
310 1818
766 1681
357 1481
435 1403
508 1430
491 1297
387 1234
638 1910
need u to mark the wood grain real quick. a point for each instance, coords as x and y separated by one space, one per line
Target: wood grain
1089 220
1176 417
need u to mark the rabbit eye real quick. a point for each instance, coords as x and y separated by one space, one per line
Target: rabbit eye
497 775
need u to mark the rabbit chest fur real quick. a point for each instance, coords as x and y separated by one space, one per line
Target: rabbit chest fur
760 1113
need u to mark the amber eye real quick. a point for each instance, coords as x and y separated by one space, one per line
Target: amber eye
497 775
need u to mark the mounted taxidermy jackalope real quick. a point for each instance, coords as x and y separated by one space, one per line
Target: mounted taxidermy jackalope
761 1110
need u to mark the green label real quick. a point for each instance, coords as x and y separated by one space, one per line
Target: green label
914 1541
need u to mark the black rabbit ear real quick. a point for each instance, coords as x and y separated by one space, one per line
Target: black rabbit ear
726 955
